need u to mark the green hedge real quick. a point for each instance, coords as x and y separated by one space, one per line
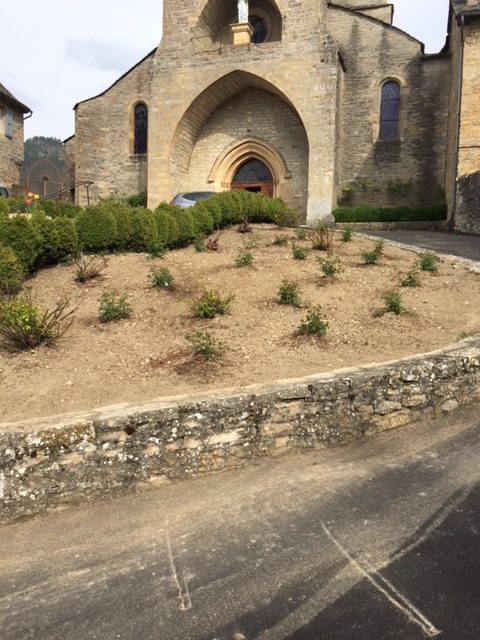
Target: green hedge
391 214
97 229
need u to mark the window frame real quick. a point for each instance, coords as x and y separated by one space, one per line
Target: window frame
384 101
8 123
135 106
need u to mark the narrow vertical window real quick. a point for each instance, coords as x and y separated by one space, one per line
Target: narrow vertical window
9 123
390 111
140 129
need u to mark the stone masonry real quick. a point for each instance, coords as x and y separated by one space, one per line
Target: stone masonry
11 147
109 451
310 94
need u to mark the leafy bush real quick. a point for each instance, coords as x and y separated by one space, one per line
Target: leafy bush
211 304
161 278
67 238
60 209
347 234
299 253
314 324
144 231
244 259
390 214
199 244
88 268
24 326
114 307
167 225
410 279
370 257
202 220
331 266
97 229
23 237
321 237
393 304
204 345
186 227
137 200
11 272
288 293
379 246
280 241
428 261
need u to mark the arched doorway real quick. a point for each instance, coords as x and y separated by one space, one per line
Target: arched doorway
254 175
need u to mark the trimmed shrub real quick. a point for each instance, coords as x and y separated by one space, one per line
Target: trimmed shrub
57 208
11 272
21 235
167 225
202 219
144 231
137 200
97 229
67 236
390 214
186 227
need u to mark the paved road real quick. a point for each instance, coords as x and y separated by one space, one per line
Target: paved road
454 244
379 540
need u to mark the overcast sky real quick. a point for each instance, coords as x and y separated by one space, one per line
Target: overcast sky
54 53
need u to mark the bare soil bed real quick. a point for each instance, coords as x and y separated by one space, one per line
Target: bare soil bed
146 356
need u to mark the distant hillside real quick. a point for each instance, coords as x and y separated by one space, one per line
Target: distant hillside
41 148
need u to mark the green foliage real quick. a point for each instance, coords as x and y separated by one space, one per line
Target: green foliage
137 200
299 253
331 266
301 233
44 148
114 307
393 304
11 272
161 278
244 259
282 216
199 244
390 214
59 208
321 237
202 219
59 238
379 247
144 231
21 235
24 326
186 227
204 345
211 303
347 234
370 257
167 225
314 324
428 261
88 268
288 293
97 229
410 279
280 240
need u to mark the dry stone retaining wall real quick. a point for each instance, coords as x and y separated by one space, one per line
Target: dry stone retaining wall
71 458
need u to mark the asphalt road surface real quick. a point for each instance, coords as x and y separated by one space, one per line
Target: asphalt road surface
378 540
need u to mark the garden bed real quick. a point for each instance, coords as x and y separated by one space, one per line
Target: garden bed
146 356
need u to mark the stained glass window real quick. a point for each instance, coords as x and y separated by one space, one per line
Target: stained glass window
260 30
390 111
253 171
141 129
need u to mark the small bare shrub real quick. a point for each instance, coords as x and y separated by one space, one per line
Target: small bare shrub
244 226
212 244
321 237
89 267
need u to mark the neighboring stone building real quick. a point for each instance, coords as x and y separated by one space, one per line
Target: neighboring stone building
314 101
12 115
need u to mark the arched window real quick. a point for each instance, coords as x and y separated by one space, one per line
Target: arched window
390 111
140 129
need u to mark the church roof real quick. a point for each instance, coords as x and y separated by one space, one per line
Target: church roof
5 93
466 7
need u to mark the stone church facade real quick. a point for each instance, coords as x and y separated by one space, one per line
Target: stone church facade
317 102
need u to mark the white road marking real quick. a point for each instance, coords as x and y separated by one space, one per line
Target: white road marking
387 589
183 595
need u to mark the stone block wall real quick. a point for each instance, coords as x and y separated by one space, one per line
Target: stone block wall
103 142
467 215
11 149
72 458
373 53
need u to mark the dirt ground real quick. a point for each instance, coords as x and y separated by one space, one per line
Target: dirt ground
146 356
